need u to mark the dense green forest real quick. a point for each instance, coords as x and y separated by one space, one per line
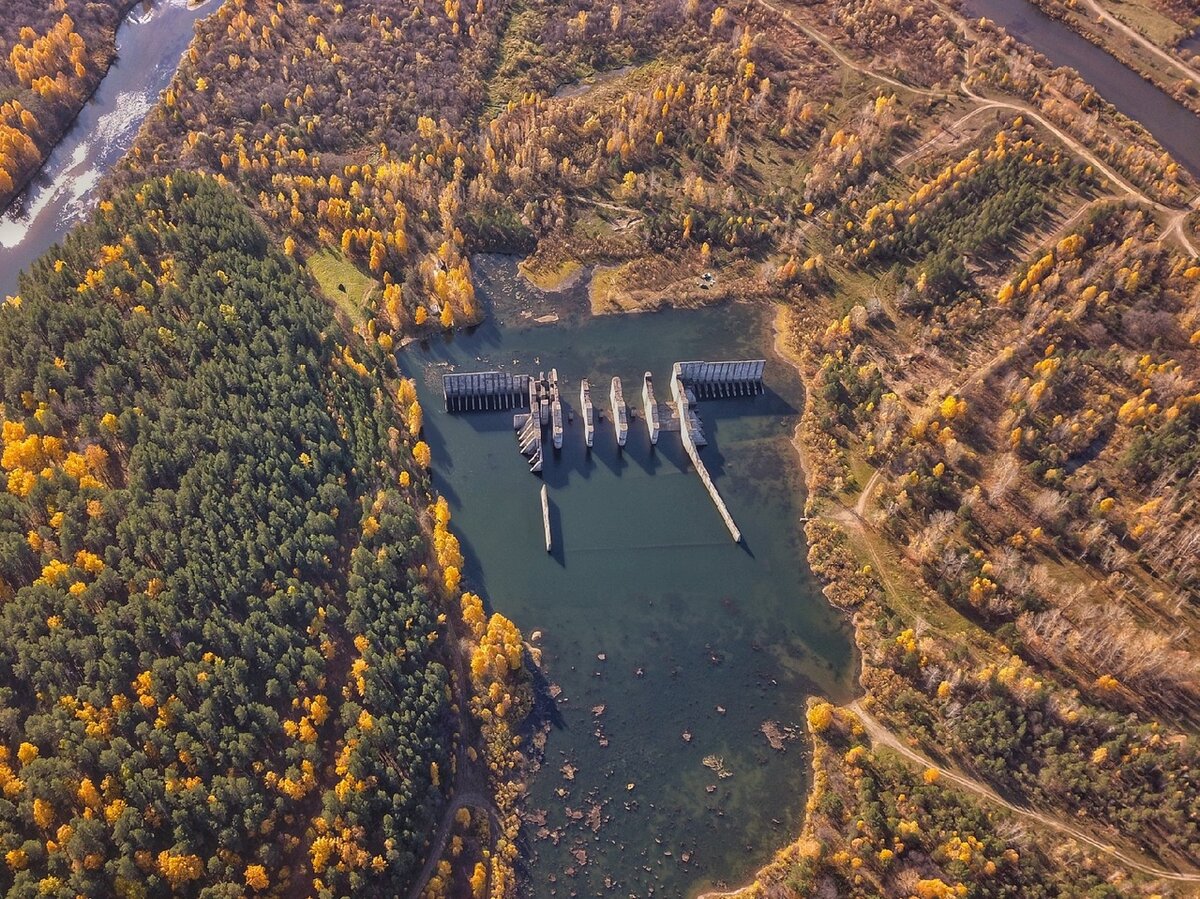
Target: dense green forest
220 662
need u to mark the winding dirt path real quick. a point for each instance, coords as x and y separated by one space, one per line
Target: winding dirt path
1175 217
829 47
949 130
1137 37
467 799
860 507
881 736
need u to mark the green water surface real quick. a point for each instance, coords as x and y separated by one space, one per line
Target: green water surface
646 607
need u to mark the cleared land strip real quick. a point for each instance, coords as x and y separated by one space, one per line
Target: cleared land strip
1175 217
1136 36
881 736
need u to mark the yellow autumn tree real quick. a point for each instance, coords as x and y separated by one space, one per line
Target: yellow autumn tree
422 454
256 877
479 881
820 716
179 869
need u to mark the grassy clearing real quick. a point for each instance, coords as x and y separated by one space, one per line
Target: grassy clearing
647 283
862 470
342 283
1143 17
607 292
604 88
907 599
551 276
518 53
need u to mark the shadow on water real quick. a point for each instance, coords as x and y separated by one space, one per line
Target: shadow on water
557 545
654 623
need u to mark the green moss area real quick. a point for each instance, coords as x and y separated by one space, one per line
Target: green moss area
342 283
524 65
217 649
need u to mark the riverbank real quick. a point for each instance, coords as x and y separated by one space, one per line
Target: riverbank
1166 71
63 191
59 128
1142 105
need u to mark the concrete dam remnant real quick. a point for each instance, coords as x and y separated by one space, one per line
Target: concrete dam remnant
653 424
689 431
491 391
556 410
529 439
708 380
589 413
620 415
484 391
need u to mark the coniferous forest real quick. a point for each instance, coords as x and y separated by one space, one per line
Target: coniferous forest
219 659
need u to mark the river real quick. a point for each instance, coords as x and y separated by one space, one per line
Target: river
150 43
653 622
1173 125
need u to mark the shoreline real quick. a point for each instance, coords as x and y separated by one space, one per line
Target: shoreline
20 188
781 348
1190 101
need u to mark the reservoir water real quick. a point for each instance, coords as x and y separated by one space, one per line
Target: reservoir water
670 643
1173 125
150 43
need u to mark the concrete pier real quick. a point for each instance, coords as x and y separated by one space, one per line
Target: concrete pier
546 518
556 410
484 391
529 439
619 413
588 412
542 388
723 379
688 436
651 406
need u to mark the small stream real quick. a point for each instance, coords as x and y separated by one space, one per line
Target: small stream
150 43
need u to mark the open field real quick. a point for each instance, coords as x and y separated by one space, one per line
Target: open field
342 283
